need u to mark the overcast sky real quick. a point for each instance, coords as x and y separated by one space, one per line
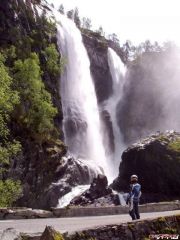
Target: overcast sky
136 20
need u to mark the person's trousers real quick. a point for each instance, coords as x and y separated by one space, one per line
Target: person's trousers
134 211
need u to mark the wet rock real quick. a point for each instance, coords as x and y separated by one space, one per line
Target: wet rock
156 161
108 134
68 175
97 50
99 194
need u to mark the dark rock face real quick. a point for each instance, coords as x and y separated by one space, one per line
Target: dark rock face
97 50
68 174
16 14
156 161
150 100
99 194
108 135
35 168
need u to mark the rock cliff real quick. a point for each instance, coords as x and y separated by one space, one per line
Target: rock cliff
97 46
156 161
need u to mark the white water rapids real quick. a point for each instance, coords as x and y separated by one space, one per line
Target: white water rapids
76 191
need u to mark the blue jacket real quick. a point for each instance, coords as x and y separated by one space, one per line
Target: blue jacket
135 193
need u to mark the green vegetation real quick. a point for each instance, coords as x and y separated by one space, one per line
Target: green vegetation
8 97
30 66
9 189
36 109
169 230
175 145
58 236
53 64
131 226
161 219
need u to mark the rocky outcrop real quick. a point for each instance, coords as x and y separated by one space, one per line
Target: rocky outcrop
51 234
35 168
99 194
68 174
156 161
97 46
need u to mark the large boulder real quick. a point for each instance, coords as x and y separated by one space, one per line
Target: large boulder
156 160
70 173
99 194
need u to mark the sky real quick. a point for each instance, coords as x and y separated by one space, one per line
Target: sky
135 20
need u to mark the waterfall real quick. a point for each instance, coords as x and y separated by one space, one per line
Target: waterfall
118 72
81 118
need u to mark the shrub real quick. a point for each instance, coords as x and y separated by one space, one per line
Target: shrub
10 190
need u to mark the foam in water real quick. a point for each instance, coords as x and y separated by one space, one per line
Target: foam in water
76 191
118 71
82 124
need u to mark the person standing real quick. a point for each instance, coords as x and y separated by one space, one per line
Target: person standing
133 197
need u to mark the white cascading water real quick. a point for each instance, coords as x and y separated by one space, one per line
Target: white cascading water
82 124
118 71
76 191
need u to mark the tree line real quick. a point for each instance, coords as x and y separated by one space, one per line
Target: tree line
130 51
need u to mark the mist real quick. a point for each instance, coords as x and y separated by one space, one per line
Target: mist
151 95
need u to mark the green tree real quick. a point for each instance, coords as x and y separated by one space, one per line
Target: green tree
36 109
9 189
8 97
53 65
